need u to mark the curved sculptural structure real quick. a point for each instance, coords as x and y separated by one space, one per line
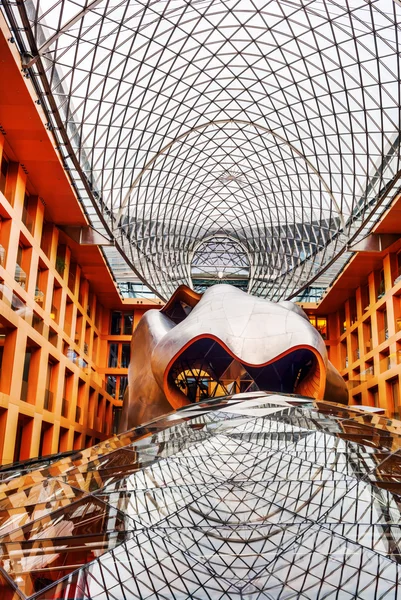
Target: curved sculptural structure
220 343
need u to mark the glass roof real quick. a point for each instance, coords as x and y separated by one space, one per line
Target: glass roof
275 123
256 496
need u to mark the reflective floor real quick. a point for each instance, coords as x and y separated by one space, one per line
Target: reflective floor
247 497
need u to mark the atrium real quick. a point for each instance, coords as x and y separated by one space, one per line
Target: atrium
200 299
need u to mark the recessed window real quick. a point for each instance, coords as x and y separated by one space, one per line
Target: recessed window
125 356
113 355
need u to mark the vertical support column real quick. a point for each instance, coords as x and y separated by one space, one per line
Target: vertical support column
10 434
15 187
35 436
39 212
18 363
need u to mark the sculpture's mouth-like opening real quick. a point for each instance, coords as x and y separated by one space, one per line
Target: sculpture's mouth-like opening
206 369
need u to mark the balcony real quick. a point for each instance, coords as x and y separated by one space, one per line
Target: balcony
72 355
367 374
65 408
18 306
20 276
28 220
49 401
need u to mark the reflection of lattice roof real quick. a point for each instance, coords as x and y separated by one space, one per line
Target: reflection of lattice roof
255 495
221 117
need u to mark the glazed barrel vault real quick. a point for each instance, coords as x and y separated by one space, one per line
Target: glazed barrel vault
222 342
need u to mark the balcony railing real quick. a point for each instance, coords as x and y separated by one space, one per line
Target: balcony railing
362 377
20 275
49 400
72 355
15 303
65 407
27 220
19 306
367 374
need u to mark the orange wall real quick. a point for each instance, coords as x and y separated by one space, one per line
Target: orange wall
48 305
364 331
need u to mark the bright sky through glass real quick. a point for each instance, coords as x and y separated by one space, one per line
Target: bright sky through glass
275 123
